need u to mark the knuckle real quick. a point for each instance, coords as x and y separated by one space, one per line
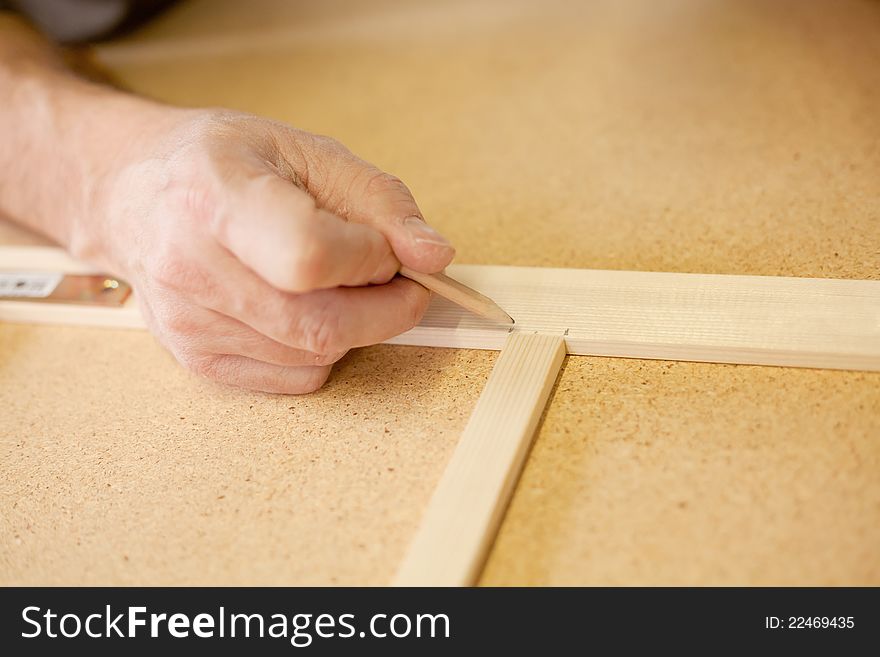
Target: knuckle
303 257
382 183
306 268
204 365
173 270
237 303
199 203
318 331
167 268
177 321
193 197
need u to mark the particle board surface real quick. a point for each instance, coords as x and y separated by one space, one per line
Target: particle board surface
118 468
565 134
722 137
688 474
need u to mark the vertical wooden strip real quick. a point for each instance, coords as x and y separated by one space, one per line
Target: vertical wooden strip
464 513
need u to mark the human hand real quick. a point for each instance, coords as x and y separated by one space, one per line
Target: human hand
259 253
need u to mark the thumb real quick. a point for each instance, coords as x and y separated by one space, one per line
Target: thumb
352 188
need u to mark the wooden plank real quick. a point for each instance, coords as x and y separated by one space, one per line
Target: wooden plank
467 506
759 320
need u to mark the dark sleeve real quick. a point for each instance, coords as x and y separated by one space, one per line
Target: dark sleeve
80 21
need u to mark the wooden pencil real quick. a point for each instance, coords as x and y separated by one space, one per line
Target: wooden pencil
460 294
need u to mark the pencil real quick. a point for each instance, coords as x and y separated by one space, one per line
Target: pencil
461 294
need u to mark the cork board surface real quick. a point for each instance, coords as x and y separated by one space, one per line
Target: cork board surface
725 137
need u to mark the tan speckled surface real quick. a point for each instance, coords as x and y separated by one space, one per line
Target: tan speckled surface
688 473
730 137
119 468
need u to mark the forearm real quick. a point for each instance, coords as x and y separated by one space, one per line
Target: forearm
259 253
60 135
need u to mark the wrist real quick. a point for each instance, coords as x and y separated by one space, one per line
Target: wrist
113 133
63 138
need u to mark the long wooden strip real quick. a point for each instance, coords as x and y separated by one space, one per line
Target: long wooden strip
759 320
469 502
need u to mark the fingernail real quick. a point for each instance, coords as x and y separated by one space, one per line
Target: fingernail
422 233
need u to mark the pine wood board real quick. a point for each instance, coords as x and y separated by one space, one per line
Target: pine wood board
467 506
759 320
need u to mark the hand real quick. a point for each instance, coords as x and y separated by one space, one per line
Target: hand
259 253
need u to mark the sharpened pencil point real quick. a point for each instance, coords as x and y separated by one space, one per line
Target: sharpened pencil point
461 294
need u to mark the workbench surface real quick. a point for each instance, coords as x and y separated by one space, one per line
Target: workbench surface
738 137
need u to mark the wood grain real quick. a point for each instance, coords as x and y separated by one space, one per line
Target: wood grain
461 295
757 320
467 506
